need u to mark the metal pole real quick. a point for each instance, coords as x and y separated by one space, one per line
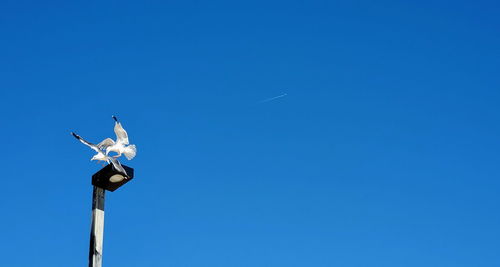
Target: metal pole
97 228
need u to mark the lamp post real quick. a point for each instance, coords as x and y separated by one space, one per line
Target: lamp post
108 178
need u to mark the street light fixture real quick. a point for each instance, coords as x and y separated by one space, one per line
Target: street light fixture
110 179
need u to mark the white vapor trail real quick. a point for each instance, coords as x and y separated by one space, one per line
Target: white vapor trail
273 98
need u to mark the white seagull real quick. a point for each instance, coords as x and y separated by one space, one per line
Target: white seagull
101 156
121 145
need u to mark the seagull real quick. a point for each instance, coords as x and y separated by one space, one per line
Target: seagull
101 156
121 146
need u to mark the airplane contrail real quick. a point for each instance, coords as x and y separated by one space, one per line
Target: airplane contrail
273 98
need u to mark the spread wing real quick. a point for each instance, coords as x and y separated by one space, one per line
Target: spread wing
94 147
121 134
105 143
117 166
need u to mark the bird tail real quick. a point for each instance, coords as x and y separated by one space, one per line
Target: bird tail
130 152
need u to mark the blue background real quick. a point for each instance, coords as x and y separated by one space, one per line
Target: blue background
383 153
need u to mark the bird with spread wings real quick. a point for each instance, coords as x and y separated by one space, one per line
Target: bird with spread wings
101 156
121 145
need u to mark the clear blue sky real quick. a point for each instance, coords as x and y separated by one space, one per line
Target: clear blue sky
385 152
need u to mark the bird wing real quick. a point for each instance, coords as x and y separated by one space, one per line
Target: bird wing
94 147
105 143
121 134
117 166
